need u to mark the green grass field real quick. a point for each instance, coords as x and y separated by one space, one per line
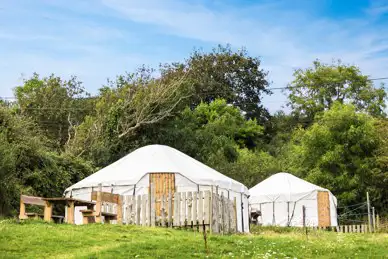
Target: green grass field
41 240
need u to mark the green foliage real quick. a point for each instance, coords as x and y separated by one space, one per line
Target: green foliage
124 108
316 89
223 73
339 152
55 105
250 167
114 241
28 165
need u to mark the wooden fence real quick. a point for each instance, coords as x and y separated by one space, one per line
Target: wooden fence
196 210
362 228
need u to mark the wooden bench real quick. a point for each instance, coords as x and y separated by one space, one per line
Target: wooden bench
38 201
95 216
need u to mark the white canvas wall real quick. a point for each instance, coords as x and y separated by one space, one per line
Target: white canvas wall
279 212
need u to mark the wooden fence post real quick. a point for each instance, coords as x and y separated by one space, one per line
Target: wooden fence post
183 209
226 216
177 205
235 213
207 211
138 209
373 219
200 210
163 211
214 219
169 221
195 208
189 208
144 210
152 206
377 222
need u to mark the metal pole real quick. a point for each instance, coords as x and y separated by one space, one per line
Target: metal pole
369 214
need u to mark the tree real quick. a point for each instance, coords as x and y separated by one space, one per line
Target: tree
211 128
316 89
340 152
57 106
250 167
124 108
27 164
223 73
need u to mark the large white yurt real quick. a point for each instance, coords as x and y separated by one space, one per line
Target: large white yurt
132 175
282 198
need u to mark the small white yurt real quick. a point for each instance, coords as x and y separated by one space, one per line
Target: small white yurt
132 175
283 197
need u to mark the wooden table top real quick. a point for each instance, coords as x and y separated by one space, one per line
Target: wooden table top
65 200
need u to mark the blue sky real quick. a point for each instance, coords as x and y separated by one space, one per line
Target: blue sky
99 39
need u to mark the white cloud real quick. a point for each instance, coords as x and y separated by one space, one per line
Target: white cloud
285 39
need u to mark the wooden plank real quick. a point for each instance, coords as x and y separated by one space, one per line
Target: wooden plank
70 213
153 206
221 214
177 213
120 210
183 209
323 209
189 208
32 200
131 209
144 210
138 210
206 208
195 208
216 213
163 217
226 216
106 197
169 215
48 211
213 219
235 213
232 225
22 211
200 209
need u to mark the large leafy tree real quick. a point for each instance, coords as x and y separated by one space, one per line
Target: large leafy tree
342 151
56 105
250 166
224 73
316 89
211 128
27 164
124 108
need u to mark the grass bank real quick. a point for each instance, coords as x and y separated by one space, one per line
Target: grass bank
41 240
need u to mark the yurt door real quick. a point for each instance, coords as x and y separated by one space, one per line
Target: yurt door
164 183
323 209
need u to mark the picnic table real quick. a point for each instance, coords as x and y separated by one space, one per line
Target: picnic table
70 204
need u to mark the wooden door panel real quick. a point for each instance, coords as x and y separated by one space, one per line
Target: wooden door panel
163 184
323 209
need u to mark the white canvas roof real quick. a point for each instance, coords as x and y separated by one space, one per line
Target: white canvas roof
158 159
282 187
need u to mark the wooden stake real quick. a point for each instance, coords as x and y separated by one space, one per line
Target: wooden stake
369 213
